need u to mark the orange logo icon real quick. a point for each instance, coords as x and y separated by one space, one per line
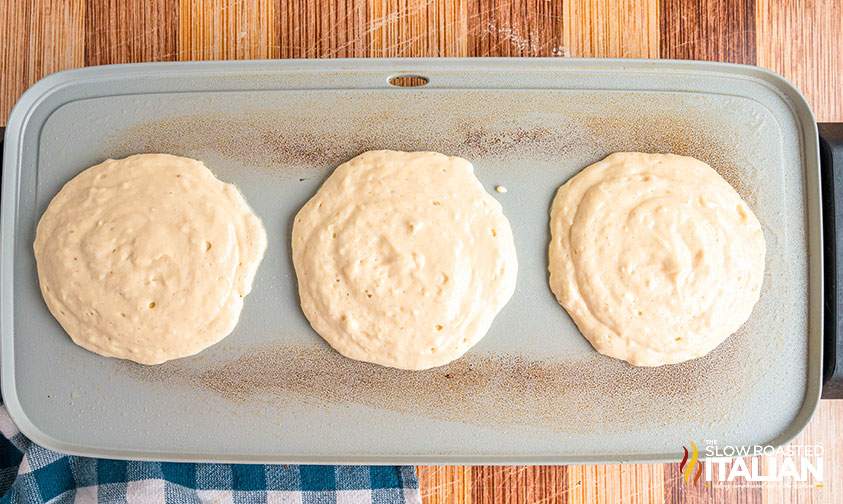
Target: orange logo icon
687 466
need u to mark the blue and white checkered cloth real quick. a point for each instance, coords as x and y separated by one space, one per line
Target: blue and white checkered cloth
31 473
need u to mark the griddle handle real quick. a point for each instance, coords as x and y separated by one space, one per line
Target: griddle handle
831 165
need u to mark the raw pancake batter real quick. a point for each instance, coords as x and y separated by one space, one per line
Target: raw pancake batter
656 258
403 259
147 258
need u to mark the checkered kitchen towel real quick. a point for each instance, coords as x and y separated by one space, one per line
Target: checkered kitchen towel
31 473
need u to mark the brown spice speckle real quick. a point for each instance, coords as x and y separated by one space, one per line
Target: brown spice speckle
484 389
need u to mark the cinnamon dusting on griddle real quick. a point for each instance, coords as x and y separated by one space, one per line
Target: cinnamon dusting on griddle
482 389
574 129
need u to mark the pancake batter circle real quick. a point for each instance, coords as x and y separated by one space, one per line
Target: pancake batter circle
147 258
656 258
403 259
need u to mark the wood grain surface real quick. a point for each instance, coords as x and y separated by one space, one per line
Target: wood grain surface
800 39
803 40
714 30
126 31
